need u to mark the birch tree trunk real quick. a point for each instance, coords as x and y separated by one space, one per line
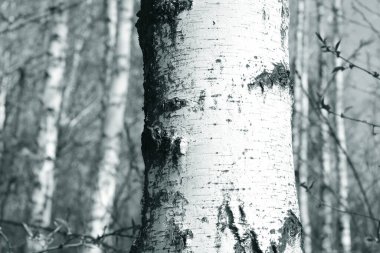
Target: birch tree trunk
344 218
302 119
48 128
217 138
113 121
326 194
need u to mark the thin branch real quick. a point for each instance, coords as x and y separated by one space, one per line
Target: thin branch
367 8
63 246
46 13
343 116
351 65
364 17
84 240
349 160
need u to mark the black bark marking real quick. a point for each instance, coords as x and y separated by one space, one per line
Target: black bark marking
247 243
204 220
179 198
172 105
201 100
177 237
274 248
291 232
160 147
280 75
284 24
159 198
242 214
162 12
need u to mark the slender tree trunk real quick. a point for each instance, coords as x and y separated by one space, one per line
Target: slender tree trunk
3 98
4 87
344 218
217 138
48 128
298 82
326 194
302 119
113 122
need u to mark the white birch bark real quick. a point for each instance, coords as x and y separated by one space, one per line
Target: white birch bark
113 122
48 128
344 218
217 139
327 227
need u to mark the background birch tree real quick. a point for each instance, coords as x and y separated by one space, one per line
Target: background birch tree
301 119
326 171
47 139
114 116
342 167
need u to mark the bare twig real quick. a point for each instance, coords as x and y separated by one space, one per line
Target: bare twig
351 164
351 65
343 116
46 13
76 240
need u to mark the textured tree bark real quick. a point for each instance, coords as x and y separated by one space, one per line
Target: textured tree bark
217 138
48 127
113 120
326 173
302 119
344 218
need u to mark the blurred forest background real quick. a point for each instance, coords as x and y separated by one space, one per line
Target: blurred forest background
64 71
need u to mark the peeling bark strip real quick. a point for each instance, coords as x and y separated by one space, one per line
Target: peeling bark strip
219 172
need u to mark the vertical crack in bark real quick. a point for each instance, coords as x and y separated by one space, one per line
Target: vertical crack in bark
245 243
201 100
